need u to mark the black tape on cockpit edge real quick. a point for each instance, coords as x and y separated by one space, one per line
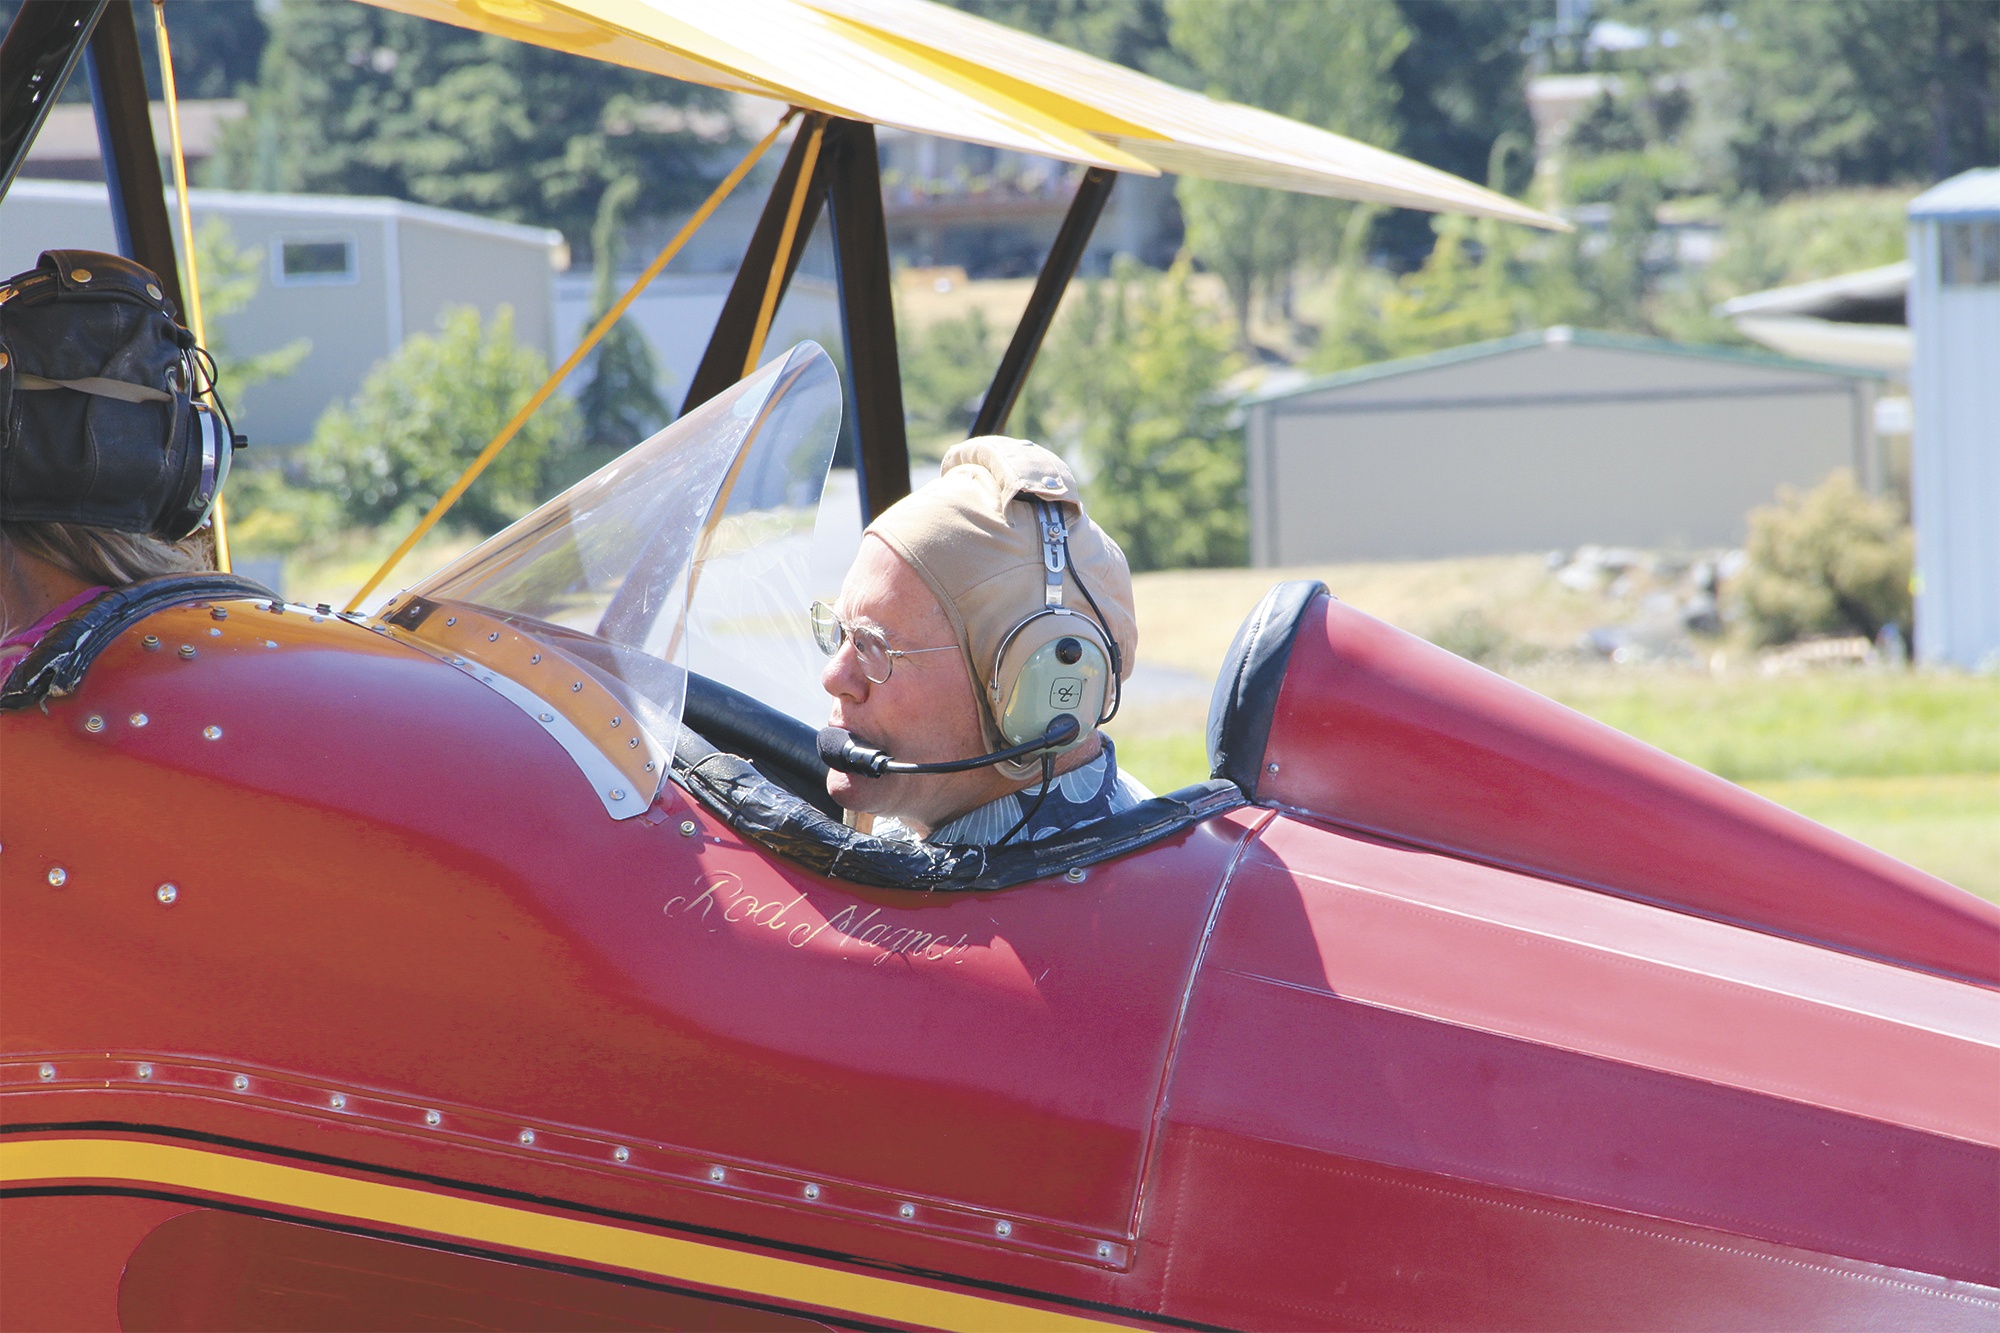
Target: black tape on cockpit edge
57 663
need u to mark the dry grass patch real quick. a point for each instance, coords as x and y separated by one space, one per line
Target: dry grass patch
1188 617
334 577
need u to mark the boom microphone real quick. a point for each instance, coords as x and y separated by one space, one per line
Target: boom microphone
841 751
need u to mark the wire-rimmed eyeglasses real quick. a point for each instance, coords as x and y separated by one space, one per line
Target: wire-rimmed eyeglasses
878 659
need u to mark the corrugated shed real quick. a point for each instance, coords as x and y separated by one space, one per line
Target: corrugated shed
1545 440
1955 447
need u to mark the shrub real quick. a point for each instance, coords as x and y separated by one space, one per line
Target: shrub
270 515
1472 635
947 368
1830 560
426 412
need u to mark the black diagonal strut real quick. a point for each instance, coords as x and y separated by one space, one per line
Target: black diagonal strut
867 315
131 159
722 364
1057 270
38 55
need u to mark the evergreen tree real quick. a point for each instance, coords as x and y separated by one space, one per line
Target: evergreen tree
217 44
1461 87
1132 382
947 368
353 99
621 405
1327 65
1793 96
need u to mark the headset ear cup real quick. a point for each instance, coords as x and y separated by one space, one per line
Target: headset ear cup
180 467
1053 663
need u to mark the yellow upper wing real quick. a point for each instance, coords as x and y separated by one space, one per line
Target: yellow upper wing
923 67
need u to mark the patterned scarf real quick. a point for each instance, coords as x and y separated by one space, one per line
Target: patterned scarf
1081 796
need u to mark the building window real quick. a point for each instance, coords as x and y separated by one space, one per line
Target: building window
314 261
1971 253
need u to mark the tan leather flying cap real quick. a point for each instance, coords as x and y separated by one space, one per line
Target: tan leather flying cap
980 550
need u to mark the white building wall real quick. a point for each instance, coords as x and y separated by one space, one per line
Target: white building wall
409 264
1955 459
1544 446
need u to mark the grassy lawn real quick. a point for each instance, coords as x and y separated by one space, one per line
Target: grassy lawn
1906 761
1947 824
1836 724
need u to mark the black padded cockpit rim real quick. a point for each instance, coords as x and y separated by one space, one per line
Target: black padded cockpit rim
56 664
785 748
1246 690
784 825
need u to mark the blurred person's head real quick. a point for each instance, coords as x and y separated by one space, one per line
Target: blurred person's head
953 637
107 458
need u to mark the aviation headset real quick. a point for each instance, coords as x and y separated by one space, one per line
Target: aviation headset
1056 661
101 418
1055 679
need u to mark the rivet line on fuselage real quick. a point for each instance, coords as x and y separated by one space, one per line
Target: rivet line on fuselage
569 1146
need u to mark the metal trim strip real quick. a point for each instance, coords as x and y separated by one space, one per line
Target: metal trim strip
572 1147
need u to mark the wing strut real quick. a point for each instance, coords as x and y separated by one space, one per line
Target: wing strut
38 55
735 328
575 359
847 182
41 51
131 158
867 317
1057 270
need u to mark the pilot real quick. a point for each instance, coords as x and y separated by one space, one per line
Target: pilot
985 612
106 460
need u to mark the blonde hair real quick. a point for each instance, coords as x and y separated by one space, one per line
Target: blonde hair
98 555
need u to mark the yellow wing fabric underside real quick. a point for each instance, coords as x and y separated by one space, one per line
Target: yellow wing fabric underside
785 51
1171 128
923 67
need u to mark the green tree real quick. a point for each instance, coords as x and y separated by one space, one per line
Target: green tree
621 405
216 47
1793 96
1829 561
1806 236
217 44
1326 65
947 367
422 416
1482 279
267 514
1459 81
353 99
1133 380
1461 87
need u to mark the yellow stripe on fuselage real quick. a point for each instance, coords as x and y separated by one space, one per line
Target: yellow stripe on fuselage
475 1221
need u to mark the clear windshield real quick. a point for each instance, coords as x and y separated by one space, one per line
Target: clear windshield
692 550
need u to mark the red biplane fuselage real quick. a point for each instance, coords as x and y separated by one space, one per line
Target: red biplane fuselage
332 998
